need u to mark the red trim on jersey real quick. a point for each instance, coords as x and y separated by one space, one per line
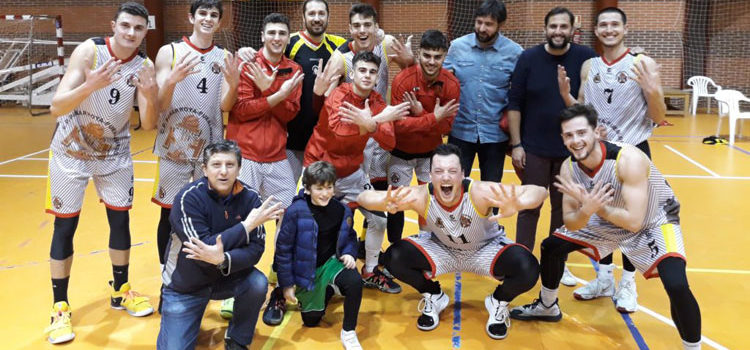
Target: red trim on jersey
427 256
351 47
455 205
497 256
163 205
592 172
62 216
109 206
196 48
616 59
653 271
112 53
310 40
376 179
594 256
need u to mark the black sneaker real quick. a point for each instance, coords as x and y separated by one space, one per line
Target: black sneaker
230 344
274 313
376 279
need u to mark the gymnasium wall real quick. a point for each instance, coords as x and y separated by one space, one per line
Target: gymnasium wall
656 25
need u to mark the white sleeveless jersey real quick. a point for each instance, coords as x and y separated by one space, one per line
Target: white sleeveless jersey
381 85
194 118
98 128
618 99
663 206
461 227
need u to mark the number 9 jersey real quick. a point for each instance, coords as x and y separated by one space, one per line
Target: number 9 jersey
98 128
193 119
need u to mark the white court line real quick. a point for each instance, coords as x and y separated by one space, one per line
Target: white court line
689 269
692 161
21 157
706 340
134 161
648 311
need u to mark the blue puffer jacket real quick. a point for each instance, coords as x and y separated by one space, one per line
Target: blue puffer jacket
297 243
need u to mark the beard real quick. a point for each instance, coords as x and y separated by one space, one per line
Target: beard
565 43
486 39
309 28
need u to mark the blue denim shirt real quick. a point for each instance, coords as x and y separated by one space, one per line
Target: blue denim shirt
484 75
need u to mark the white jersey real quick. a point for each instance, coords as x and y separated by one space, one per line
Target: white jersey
618 99
194 118
98 128
460 227
662 205
381 84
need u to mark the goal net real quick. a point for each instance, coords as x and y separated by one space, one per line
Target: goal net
31 58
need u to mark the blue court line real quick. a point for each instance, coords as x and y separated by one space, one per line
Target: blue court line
628 321
456 336
739 149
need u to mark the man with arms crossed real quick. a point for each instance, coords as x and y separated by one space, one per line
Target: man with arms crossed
93 104
432 93
614 197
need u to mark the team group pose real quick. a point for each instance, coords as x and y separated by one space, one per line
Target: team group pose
313 108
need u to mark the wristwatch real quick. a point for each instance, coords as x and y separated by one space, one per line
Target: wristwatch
224 265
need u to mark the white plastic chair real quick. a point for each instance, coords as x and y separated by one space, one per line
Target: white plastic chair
700 89
732 99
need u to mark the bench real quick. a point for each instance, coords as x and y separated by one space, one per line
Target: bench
670 93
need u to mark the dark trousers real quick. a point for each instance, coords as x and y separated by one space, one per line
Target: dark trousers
491 158
685 311
540 171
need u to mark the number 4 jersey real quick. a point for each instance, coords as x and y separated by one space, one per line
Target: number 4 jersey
193 119
98 128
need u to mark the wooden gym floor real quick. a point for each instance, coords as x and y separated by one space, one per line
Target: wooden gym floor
711 182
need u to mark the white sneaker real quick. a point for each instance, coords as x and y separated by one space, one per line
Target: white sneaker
596 288
568 279
626 298
350 341
499 321
431 306
537 311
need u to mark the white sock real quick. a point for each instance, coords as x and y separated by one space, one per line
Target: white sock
373 240
548 296
605 272
691 346
628 275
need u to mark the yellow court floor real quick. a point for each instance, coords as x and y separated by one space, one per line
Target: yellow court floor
711 181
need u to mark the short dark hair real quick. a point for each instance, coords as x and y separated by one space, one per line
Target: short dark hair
206 4
366 56
559 10
304 5
615 10
223 146
580 110
132 8
276 17
493 8
433 40
364 11
319 173
446 149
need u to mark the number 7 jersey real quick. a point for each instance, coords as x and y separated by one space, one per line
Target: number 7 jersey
618 99
193 119
98 128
